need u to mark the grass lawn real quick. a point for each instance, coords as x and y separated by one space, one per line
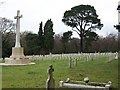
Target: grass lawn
35 76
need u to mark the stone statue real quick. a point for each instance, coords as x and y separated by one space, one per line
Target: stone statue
50 83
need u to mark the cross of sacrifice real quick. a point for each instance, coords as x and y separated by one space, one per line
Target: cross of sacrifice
17 44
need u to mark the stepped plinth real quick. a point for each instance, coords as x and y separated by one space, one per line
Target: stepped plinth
17 57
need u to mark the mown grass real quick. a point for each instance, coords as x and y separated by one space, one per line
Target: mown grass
35 76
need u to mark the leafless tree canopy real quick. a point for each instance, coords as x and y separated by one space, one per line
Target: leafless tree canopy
6 25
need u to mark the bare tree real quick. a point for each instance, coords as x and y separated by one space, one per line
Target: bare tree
6 25
7 28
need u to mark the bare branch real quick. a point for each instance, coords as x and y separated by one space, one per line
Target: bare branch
76 31
6 25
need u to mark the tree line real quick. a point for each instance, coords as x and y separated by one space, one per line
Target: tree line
61 44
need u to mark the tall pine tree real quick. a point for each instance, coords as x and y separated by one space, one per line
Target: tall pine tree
84 20
48 36
41 39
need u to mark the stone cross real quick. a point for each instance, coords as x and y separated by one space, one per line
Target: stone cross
17 44
50 83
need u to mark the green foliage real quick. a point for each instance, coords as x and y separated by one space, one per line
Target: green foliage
65 39
41 36
66 36
7 43
31 42
81 14
82 18
41 42
48 36
89 37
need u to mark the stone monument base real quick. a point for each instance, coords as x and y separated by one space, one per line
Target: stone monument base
17 60
17 52
4 64
17 57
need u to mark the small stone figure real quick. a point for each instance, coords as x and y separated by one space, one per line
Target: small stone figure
50 83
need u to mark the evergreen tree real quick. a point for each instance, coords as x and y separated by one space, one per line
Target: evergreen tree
82 19
41 38
31 45
48 36
65 39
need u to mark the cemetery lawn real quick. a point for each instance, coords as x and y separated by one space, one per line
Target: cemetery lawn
35 76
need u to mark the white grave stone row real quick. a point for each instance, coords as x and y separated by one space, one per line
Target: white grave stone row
78 56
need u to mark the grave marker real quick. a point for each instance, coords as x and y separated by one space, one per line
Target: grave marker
50 83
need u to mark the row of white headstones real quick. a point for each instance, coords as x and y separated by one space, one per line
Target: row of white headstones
81 56
78 56
74 58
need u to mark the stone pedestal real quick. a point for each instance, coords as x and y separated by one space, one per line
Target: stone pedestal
17 57
17 52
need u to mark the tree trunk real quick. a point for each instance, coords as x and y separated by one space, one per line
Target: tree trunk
64 47
81 44
0 44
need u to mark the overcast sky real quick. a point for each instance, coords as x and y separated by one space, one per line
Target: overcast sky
35 11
